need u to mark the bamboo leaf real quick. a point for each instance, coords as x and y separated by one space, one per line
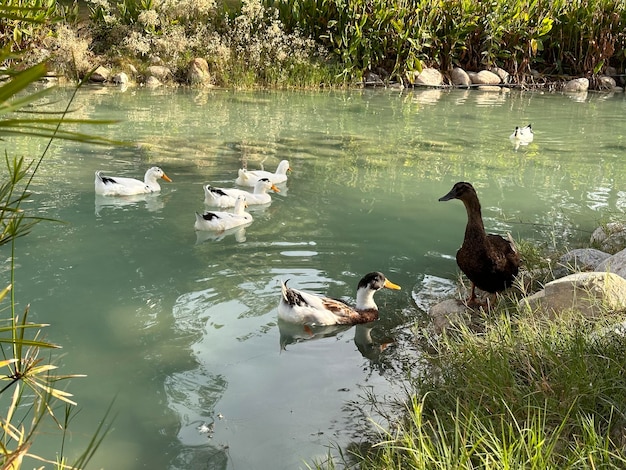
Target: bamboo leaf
21 81
41 369
6 362
5 329
29 342
5 291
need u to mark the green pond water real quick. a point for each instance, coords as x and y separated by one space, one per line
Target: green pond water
180 329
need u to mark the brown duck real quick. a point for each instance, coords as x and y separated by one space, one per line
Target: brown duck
489 261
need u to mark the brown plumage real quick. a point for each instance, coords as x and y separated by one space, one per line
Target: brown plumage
296 306
489 261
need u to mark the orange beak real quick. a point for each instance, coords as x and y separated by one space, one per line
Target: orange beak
166 178
275 189
391 285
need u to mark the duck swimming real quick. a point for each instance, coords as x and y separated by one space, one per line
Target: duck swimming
249 178
227 197
296 306
221 221
489 261
522 135
120 186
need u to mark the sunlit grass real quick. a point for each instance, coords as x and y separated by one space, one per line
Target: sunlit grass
526 392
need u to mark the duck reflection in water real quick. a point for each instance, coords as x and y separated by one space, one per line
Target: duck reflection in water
238 232
153 202
293 333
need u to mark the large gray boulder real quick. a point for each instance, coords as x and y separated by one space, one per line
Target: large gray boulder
576 85
484 77
448 313
615 264
198 72
503 74
604 82
159 72
120 78
153 82
591 293
459 77
428 77
610 237
581 259
100 75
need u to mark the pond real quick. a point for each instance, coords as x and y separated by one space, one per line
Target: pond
179 329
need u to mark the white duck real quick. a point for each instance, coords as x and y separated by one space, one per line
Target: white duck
522 135
120 186
249 178
227 197
296 306
219 221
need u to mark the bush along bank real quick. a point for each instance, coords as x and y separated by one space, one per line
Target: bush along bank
312 43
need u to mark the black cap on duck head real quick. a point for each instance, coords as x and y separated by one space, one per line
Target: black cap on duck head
458 191
376 281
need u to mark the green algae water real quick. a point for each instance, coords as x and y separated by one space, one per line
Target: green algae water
179 329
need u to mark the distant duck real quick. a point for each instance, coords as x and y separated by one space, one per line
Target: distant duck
296 306
227 197
490 262
249 178
522 135
120 186
221 221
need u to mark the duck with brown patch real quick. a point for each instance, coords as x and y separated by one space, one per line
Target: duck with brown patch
301 307
489 261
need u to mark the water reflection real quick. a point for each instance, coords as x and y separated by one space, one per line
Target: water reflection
193 395
431 290
293 333
430 96
153 202
369 347
489 98
238 232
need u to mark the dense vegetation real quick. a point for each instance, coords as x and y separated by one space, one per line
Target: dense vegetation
332 42
526 393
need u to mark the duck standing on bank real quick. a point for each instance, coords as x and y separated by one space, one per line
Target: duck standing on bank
120 186
489 261
296 306
217 221
250 177
227 197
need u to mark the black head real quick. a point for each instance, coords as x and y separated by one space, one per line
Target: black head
376 281
460 190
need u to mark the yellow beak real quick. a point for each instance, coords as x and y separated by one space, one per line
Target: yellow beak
391 285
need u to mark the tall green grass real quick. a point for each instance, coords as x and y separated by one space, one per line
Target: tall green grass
525 393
